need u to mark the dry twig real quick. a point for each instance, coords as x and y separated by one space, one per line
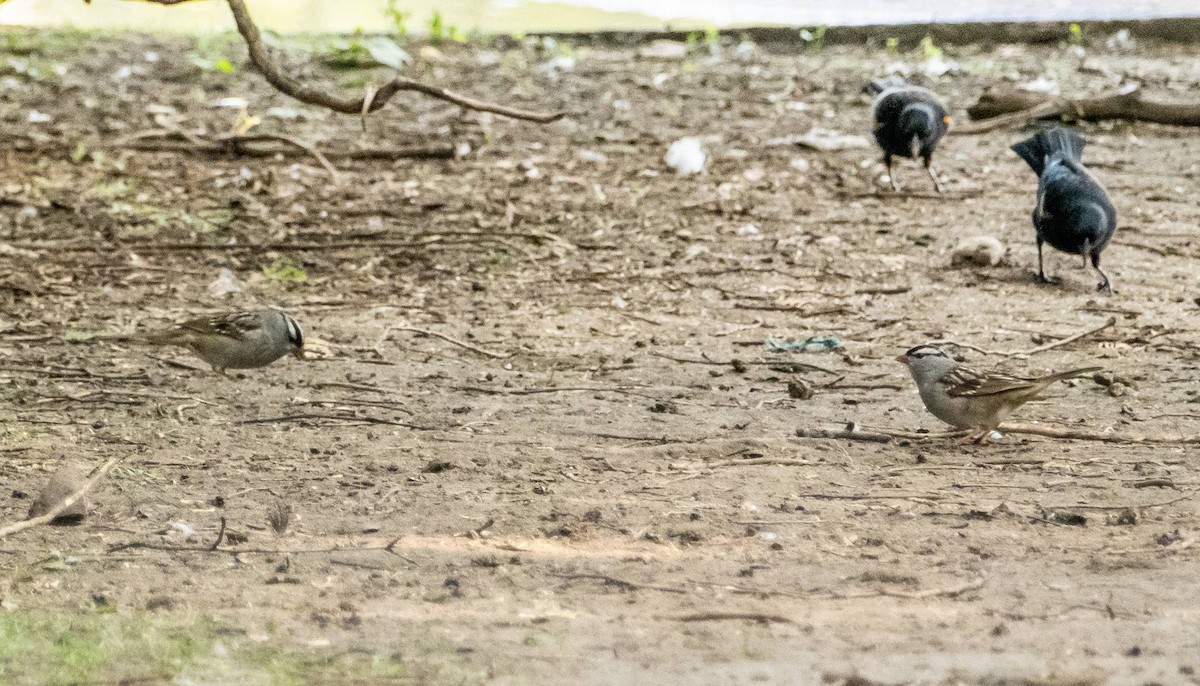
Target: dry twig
722 616
62 506
1032 351
444 337
373 99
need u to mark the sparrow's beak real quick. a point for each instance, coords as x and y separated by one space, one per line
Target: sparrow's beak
903 359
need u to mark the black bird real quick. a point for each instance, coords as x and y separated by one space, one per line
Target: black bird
909 122
1073 211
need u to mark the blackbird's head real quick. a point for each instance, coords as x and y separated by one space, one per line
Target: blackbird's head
921 125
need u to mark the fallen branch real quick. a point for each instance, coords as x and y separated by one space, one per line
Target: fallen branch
1020 107
64 505
1032 351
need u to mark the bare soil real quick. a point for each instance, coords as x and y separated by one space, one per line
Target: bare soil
593 492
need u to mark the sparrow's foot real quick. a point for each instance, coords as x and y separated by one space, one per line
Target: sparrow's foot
1052 280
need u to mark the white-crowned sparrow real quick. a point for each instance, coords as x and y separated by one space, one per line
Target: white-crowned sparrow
237 340
969 399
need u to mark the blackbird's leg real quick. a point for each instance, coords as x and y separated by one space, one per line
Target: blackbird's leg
1041 272
1106 284
937 185
887 159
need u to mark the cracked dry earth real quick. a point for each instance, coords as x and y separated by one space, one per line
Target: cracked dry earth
589 491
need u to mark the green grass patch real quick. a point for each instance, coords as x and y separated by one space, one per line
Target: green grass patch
109 646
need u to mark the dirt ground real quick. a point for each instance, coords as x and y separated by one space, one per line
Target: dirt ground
582 486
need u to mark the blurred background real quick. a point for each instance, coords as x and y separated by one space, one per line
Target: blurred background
514 16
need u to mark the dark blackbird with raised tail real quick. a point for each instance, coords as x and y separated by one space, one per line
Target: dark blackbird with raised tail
909 122
1073 212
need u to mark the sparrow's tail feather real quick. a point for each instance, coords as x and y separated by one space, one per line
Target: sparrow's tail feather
1070 374
159 338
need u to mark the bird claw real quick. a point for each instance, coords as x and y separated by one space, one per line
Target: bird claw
1052 280
976 438
970 438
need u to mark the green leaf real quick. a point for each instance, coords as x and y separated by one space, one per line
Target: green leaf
224 66
284 269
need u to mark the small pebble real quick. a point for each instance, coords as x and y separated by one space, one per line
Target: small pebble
983 251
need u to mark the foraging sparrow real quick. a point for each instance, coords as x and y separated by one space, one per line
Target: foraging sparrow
1073 211
970 399
909 122
238 340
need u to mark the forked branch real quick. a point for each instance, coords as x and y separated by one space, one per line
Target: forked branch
261 56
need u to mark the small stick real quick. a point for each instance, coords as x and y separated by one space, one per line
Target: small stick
1032 351
718 363
722 616
748 462
1163 503
950 592
1014 428
612 580
1080 435
66 503
362 419
848 434
220 536
306 147
455 341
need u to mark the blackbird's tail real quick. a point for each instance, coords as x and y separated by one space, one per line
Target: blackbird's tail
1045 145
